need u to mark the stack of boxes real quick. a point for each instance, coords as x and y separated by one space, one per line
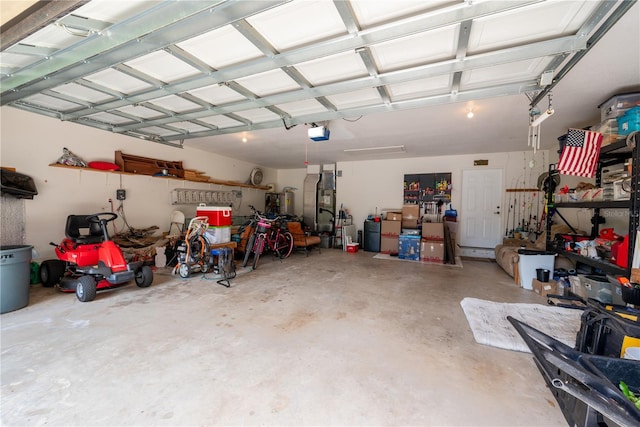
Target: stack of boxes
390 233
409 239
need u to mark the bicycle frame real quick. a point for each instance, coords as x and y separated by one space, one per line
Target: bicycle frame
276 240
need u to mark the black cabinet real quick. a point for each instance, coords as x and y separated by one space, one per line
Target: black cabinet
612 154
372 236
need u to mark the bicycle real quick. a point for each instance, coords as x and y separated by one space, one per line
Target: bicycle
274 233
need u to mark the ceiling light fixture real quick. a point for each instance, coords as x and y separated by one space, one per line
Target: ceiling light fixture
470 114
377 150
244 139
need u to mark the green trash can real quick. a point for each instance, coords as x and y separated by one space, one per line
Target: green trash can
15 275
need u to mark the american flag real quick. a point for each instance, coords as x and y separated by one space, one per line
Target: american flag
580 154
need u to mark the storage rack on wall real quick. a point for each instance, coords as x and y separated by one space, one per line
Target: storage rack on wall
612 154
427 187
188 196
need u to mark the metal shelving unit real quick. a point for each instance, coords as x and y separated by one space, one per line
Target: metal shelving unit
609 155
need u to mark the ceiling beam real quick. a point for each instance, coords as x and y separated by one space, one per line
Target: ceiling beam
597 35
530 51
147 32
38 16
445 98
199 23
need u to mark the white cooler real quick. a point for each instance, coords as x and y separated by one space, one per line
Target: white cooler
529 261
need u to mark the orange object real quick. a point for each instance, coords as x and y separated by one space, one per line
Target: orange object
624 282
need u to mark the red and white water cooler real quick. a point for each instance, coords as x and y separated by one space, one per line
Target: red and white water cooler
220 218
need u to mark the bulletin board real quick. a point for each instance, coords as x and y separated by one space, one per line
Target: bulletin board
427 187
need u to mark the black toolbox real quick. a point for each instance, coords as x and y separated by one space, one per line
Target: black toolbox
585 386
607 330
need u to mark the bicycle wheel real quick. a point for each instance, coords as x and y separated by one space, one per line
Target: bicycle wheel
248 249
284 245
259 246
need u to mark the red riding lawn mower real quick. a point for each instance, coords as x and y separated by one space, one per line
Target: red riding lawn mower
90 262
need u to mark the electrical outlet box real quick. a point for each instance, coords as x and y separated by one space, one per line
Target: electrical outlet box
121 194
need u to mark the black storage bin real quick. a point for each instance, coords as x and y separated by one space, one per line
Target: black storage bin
604 330
585 386
17 184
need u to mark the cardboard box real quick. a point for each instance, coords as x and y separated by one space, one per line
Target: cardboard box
410 216
390 228
544 288
410 212
389 245
433 231
409 247
431 251
410 223
394 216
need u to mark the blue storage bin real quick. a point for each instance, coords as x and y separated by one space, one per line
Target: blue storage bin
629 122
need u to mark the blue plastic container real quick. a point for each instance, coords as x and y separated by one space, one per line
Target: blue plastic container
409 247
629 122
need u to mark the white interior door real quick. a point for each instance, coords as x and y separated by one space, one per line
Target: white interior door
481 208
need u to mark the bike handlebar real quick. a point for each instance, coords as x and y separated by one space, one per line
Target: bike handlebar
260 216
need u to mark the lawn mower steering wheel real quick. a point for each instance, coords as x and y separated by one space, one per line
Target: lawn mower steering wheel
96 218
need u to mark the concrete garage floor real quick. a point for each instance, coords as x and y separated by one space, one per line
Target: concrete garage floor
329 339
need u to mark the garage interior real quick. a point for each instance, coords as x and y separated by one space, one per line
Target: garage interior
251 98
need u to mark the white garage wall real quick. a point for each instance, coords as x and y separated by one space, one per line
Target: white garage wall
378 184
31 142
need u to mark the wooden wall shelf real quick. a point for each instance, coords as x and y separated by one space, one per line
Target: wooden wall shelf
209 181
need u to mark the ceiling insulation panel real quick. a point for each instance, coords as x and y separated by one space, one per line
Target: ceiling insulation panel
168 70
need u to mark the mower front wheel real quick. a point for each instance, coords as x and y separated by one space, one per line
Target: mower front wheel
86 288
51 271
144 276
184 270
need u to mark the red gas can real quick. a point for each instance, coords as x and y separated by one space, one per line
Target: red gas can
622 255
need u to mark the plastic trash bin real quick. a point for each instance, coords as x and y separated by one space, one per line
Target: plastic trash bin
326 241
531 260
15 277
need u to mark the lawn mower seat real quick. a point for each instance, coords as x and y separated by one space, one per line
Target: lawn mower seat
77 223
